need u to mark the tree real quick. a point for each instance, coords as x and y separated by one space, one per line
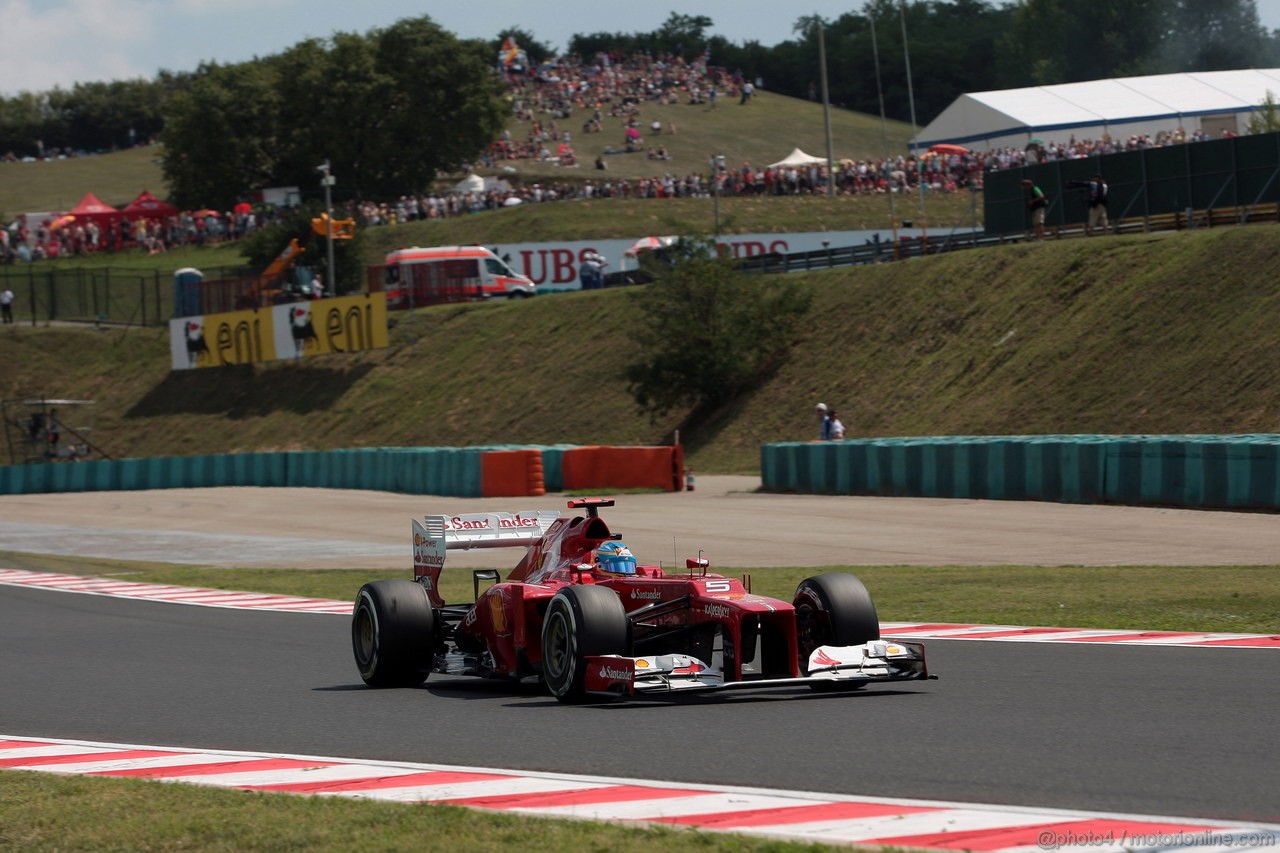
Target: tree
683 33
389 110
1266 119
443 108
265 245
1220 35
221 135
708 333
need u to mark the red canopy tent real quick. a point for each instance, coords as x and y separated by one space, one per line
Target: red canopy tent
147 206
92 208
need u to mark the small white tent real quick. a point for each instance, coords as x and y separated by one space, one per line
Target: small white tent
798 158
472 183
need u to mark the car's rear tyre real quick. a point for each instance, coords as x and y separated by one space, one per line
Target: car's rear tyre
580 621
392 627
834 609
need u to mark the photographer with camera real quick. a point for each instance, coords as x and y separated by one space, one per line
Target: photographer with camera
1097 202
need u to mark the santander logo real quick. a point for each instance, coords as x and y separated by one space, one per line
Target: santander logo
485 522
615 674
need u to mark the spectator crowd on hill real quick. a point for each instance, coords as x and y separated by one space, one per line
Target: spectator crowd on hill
24 241
571 94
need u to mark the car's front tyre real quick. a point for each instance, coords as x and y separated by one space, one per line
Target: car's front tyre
580 622
834 609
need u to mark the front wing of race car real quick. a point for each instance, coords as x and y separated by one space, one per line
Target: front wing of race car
876 661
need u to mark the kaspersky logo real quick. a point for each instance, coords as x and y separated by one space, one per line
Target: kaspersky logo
715 611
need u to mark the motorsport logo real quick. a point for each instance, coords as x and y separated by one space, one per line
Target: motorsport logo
715 611
492 521
646 595
615 674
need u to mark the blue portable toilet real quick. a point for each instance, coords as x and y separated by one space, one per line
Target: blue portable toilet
186 292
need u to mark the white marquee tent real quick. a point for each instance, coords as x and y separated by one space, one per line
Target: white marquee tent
1212 101
798 158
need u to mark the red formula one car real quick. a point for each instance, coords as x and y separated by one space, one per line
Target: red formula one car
580 614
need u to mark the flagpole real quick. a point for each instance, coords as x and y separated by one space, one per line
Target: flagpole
884 129
915 130
826 108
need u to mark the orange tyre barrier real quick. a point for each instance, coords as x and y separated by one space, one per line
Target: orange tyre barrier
624 468
511 474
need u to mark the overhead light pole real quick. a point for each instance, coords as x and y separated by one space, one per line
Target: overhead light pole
884 127
911 99
826 104
327 180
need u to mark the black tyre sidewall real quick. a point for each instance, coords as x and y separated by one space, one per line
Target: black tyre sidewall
843 611
401 621
591 621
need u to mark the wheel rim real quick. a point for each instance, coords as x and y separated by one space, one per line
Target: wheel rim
366 636
813 624
559 652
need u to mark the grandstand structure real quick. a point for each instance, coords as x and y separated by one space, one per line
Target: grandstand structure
1216 103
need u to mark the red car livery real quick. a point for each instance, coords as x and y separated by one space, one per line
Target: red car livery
591 634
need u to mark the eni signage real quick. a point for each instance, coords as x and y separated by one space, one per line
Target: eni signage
289 331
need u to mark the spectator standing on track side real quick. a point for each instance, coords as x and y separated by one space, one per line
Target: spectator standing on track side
1036 204
824 427
837 428
1098 201
6 304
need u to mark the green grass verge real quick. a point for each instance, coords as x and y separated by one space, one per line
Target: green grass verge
44 812
54 185
1239 599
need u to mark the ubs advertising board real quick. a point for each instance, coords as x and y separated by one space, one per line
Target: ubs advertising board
556 266
293 330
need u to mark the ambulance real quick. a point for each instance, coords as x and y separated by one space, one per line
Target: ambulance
416 277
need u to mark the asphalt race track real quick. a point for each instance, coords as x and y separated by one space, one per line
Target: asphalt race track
1097 727
1144 730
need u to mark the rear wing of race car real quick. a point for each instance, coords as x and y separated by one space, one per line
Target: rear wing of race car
442 533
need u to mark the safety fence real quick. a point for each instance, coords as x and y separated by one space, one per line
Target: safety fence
499 471
1200 471
48 292
1240 172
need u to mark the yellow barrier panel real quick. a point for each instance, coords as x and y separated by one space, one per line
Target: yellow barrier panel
342 324
291 330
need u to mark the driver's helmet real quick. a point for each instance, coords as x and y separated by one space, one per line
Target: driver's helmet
615 559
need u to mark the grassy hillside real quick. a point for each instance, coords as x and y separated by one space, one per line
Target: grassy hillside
116 178
762 132
595 219
1161 333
